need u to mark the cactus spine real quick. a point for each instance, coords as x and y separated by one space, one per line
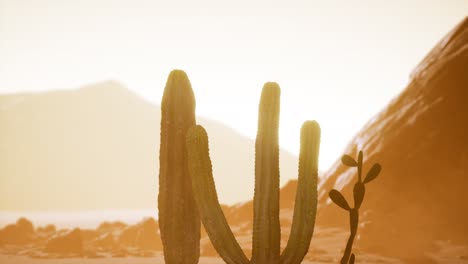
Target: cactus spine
179 220
266 235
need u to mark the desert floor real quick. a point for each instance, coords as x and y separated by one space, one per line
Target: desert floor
6 259
326 247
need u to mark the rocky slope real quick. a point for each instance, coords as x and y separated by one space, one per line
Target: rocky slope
421 140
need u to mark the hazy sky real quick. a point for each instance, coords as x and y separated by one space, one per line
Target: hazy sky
338 62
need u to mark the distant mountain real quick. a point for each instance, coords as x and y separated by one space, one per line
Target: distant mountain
97 147
421 140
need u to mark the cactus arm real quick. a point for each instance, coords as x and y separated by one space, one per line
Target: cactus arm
206 198
305 207
178 218
266 228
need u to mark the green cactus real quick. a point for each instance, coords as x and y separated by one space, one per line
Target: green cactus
266 230
179 221
359 191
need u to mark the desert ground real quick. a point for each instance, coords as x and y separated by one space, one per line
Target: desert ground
116 242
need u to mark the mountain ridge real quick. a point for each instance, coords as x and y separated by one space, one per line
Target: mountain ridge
109 126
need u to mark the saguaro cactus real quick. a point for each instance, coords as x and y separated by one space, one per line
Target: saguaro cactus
179 221
266 233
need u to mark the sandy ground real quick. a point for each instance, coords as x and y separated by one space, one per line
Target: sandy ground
449 255
4 259
326 247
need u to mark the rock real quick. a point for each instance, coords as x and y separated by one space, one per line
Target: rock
107 227
48 229
421 141
66 243
26 225
105 242
89 235
43 234
20 233
144 236
147 237
127 236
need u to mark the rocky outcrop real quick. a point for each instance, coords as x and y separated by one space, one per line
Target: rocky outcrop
68 242
421 141
20 233
105 241
147 237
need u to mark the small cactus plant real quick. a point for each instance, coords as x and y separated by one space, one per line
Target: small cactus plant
359 191
266 229
179 221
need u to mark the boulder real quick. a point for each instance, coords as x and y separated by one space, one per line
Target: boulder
127 236
66 242
20 233
147 237
105 242
144 236
26 225
48 229
107 227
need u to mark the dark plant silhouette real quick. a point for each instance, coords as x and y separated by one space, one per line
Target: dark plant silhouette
359 191
266 230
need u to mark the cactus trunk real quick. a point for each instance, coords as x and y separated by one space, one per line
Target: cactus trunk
266 231
266 227
178 217
359 191
204 189
305 207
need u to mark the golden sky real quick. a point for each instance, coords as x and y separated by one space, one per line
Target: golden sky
338 62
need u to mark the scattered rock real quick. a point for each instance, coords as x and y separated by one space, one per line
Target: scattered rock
89 234
105 242
48 229
147 237
107 227
126 237
20 233
26 225
66 243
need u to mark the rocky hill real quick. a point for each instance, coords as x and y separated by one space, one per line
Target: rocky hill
421 140
97 147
